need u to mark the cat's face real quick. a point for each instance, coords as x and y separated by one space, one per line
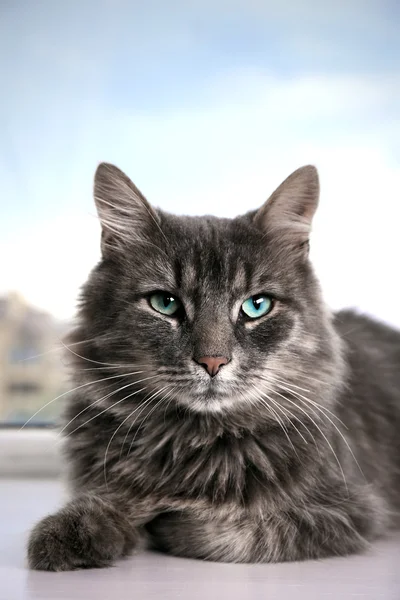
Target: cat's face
217 313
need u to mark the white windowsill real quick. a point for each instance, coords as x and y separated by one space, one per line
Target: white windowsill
29 453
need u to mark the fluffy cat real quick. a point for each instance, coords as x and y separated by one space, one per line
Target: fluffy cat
221 411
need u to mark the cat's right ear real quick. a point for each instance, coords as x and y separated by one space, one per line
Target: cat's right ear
287 215
124 212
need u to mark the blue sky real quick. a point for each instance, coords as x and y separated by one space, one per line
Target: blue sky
207 106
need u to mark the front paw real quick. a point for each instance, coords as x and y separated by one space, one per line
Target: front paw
87 533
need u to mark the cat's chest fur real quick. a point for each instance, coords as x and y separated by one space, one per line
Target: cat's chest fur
195 459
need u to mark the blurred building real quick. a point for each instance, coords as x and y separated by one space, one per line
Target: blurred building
31 366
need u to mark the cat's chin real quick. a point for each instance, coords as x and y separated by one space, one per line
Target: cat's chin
207 402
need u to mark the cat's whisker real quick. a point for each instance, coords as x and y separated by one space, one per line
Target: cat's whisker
304 400
271 410
143 403
104 411
170 399
256 399
112 393
272 373
60 349
146 417
321 432
97 362
74 390
275 378
301 422
322 409
285 411
146 401
281 423
130 366
288 385
273 389
113 436
279 420
317 405
299 373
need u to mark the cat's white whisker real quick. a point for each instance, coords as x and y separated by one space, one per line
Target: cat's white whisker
278 419
305 400
112 437
285 411
284 408
104 411
148 414
145 402
74 390
321 432
60 349
170 399
288 386
97 362
112 393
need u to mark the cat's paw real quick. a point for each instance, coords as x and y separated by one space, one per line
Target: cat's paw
87 533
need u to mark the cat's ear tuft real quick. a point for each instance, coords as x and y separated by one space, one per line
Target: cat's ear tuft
124 212
288 213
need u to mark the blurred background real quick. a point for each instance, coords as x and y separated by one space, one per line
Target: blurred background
207 106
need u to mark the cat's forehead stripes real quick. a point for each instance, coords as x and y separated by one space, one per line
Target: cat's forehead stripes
210 265
157 273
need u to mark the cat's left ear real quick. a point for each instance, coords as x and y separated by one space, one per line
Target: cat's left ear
288 213
125 215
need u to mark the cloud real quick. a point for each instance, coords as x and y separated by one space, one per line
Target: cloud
207 106
224 157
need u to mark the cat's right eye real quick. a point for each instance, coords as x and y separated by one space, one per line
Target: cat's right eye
165 303
257 306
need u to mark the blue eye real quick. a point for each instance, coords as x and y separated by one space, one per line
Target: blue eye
257 306
164 303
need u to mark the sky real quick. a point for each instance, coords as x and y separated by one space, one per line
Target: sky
207 106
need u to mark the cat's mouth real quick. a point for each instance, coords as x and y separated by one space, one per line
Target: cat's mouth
203 396
199 391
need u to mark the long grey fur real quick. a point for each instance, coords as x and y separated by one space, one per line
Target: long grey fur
291 452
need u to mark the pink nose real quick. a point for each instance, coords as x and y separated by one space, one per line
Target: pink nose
212 364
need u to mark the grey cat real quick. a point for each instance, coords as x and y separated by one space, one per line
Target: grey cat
221 411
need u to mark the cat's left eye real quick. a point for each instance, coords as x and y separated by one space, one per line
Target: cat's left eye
165 303
257 306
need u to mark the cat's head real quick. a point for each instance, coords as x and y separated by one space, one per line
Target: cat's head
214 314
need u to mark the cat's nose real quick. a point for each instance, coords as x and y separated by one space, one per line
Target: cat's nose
212 364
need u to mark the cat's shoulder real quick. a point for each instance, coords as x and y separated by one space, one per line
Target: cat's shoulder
356 327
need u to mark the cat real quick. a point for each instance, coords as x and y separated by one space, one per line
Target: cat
221 411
